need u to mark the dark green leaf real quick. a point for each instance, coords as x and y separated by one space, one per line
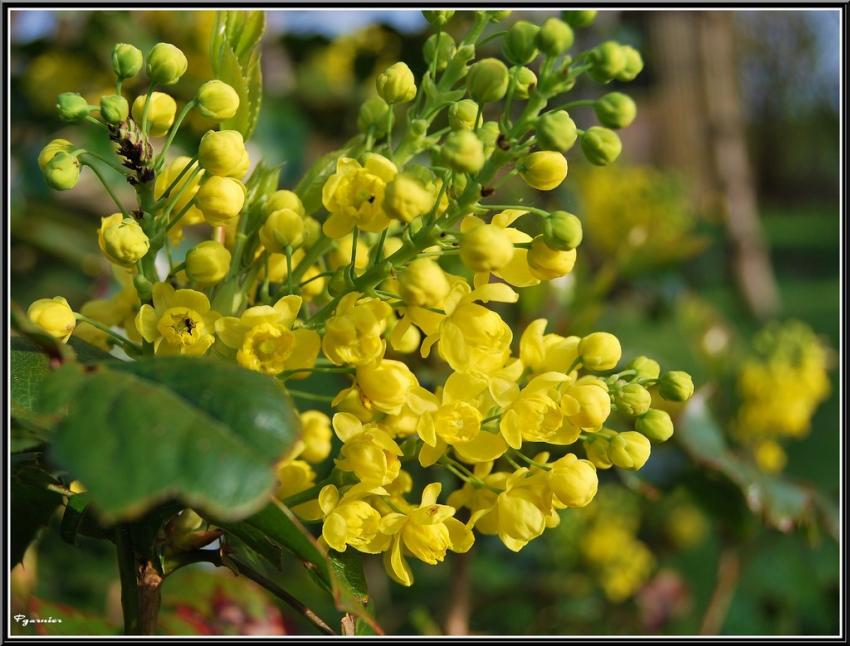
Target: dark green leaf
32 504
203 431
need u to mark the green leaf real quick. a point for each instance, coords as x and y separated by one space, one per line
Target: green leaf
204 431
309 189
781 502
32 504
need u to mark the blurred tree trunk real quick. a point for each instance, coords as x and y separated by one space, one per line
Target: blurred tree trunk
703 134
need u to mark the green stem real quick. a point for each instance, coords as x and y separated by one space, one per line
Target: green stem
520 207
108 189
176 181
300 394
523 457
173 222
173 201
91 119
306 495
174 128
313 254
125 343
127 575
124 171
146 109
575 104
289 281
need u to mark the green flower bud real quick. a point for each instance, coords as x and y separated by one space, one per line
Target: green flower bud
645 367
441 46
633 64
123 240
438 18
217 100
283 199
161 114
676 386
373 114
487 80
629 450
498 15
562 231
208 263
556 131
489 135
546 263
312 231
543 169
417 129
608 60
554 37
599 351
465 53
114 108
526 81
51 149
462 115
407 197
396 84
519 44
655 424
126 60
615 110
62 171
583 18
71 106
463 151
283 228
166 64
632 400
596 448
339 285
601 146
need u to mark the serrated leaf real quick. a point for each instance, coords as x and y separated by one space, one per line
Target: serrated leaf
204 431
309 189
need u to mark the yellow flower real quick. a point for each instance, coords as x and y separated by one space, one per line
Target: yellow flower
282 228
315 436
629 450
184 192
54 316
367 451
102 311
354 195
222 153
546 353
122 240
180 322
546 263
573 481
396 84
600 351
486 248
423 282
160 115
265 341
217 100
586 402
220 199
283 199
407 197
295 476
470 336
770 456
207 263
349 520
353 334
426 532
536 415
523 510
340 255
390 385
516 270
544 169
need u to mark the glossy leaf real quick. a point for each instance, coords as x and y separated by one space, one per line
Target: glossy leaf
32 504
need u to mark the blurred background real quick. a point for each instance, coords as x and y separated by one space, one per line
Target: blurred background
711 245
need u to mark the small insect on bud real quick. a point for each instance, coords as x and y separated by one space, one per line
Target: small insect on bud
601 146
166 64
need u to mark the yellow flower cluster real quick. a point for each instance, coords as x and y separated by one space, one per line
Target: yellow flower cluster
347 275
780 386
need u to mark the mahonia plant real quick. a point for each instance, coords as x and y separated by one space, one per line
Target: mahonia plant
289 285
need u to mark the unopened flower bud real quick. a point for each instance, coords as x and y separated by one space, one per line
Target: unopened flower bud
488 133
223 153
54 316
600 351
633 64
462 115
498 15
127 60
62 171
207 263
487 80
283 228
645 367
463 151
556 131
526 81
396 84
122 240
562 231
583 18
486 247
574 482
160 115
555 37
615 110
629 450
440 46
373 114
519 44
601 146
543 170
312 231
546 263
114 108
166 64
51 149
596 448
655 424
632 400
283 199
423 282
220 199
676 386
608 60
438 18
407 198
217 100
71 106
